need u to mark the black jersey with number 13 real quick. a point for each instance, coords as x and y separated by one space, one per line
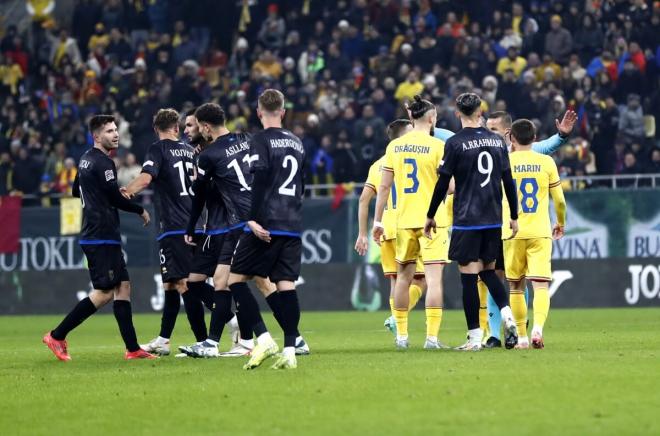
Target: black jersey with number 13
281 154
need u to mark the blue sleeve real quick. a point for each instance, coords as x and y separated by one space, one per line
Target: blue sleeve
550 145
443 134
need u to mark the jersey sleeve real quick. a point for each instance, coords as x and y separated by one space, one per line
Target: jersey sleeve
449 159
259 152
388 162
153 161
553 174
373 179
549 145
204 167
442 134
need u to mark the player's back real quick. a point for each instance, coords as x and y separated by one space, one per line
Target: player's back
414 158
534 174
97 174
476 157
228 160
172 165
282 155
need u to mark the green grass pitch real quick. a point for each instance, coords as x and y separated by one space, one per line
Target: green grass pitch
599 374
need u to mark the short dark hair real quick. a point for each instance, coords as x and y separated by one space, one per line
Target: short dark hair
467 103
395 128
271 100
211 113
419 107
502 115
523 131
166 119
98 121
191 112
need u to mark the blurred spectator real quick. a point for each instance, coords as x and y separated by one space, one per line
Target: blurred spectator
631 120
66 176
558 41
6 177
25 169
409 88
511 62
128 170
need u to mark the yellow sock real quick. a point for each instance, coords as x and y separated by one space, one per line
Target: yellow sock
401 318
415 293
433 320
392 305
483 307
541 306
519 309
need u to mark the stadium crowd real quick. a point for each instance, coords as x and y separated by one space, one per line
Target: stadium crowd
346 67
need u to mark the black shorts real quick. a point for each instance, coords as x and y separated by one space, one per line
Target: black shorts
278 260
206 253
499 262
473 245
175 258
214 250
107 268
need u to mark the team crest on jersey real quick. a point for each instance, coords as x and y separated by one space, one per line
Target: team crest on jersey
109 175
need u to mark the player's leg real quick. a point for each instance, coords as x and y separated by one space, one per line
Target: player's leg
418 286
540 273
435 255
493 312
489 247
252 257
388 262
515 254
124 317
407 252
205 260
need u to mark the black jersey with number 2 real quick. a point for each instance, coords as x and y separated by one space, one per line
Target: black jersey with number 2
476 158
281 154
171 165
226 162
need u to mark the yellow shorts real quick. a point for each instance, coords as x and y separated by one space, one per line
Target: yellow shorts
528 258
388 259
412 244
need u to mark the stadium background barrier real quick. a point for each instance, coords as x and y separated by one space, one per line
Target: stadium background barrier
610 257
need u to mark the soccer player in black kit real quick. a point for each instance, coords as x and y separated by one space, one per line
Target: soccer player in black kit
223 174
478 161
169 165
272 247
96 185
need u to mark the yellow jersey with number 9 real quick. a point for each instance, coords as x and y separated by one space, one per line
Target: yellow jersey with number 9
414 158
389 215
534 174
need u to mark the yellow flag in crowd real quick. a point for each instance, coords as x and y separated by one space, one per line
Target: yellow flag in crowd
70 216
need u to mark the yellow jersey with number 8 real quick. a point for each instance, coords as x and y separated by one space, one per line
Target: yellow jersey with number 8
535 175
414 158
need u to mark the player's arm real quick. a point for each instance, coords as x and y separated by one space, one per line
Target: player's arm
362 242
150 169
512 198
75 189
557 194
260 183
387 177
564 128
137 185
443 185
117 199
199 189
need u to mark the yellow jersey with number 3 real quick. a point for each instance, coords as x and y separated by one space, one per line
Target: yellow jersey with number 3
414 158
535 175
389 217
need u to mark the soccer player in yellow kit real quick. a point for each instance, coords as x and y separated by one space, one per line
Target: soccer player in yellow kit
395 129
411 164
528 254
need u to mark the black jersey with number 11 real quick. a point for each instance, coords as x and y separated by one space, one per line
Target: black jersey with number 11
281 154
476 158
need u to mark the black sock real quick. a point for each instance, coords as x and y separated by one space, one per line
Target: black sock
124 317
470 300
203 291
80 312
290 316
195 314
243 325
221 314
248 306
495 287
275 303
170 312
